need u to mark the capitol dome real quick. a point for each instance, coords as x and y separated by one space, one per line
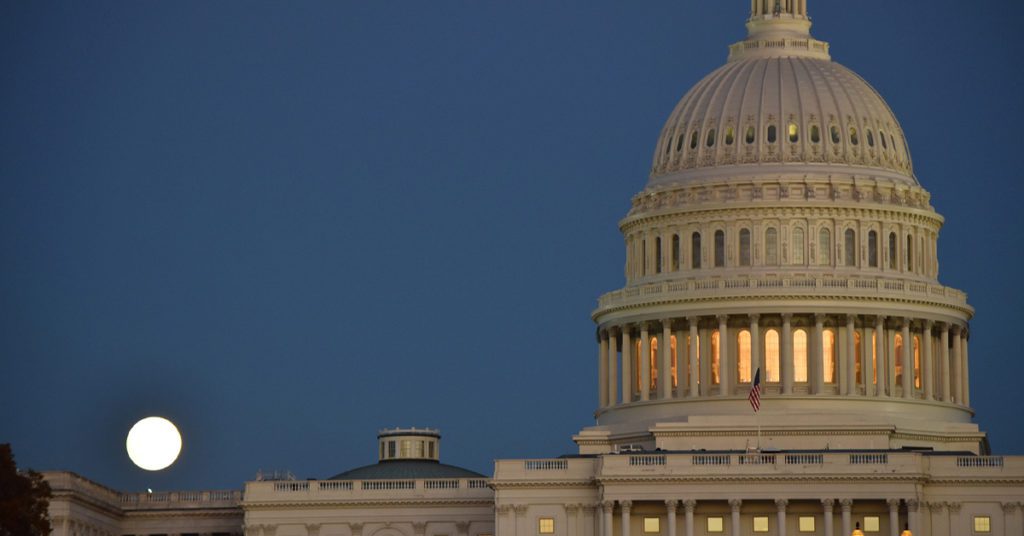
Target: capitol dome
782 235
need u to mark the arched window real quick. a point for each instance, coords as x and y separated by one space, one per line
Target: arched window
711 138
772 134
872 249
815 134
643 256
751 133
910 253
771 355
824 247
654 364
917 362
693 139
854 138
899 359
834 132
719 249
874 357
871 139
800 356
675 253
657 255
771 247
730 136
744 247
668 145
714 358
675 362
850 247
695 250
743 371
892 251
794 133
858 358
798 246
828 356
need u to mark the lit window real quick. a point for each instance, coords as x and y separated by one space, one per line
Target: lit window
750 135
546 525
834 131
828 356
716 524
652 525
711 138
798 246
794 133
854 138
982 524
719 249
858 361
772 134
743 364
771 355
654 364
675 367
806 524
761 524
815 134
714 357
771 247
745 247
872 524
800 356
917 362
730 136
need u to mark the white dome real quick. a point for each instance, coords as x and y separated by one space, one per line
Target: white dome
781 99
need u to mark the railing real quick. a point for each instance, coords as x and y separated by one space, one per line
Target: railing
757 459
545 465
646 460
475 489
869 459
979 461
805 459
441 484
388 484
291 486
328 485
477 484
711 459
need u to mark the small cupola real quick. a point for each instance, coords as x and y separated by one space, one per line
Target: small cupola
409 444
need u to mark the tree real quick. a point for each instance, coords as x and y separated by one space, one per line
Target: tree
24 499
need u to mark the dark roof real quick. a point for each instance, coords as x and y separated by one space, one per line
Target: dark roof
406 469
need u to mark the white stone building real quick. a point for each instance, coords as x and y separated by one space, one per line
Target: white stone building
782 235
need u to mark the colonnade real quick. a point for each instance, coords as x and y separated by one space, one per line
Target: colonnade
797 354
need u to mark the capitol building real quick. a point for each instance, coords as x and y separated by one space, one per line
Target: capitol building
781 243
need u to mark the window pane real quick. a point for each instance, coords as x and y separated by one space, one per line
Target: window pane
714 357
750 135
982 524
761 524
716 524
771 355
546 525
850 247
771 247
873 249
828 355
743 364
657 255
711 138
794 133
872 524
719 249
772 134
745 247
798 246
824 247
652 525
695 250
917 362
800 355
806 524
654 364
675 367
675 253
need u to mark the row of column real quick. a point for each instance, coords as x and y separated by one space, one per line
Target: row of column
913 518
616 347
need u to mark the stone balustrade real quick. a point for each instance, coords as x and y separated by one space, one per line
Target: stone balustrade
332 490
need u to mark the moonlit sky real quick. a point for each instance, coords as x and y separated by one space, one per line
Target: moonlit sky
284 226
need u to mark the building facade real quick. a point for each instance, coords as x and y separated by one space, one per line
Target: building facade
783 241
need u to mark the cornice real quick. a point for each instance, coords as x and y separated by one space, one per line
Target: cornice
753 211
378 503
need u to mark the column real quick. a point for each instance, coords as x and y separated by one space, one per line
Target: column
705 362
894 516
735 505
937 519
847 507
957 377
827 506
890 362
818 359
780 516
625 506
851 355
681 361
1010 525
725 365
786 359
756 362
880 355
867 367
613 366
964 376
571 523
608 508
590 523
689 506
670 512
944 360
914 516
313 529
665 369
955 523
521 529
645 363
602 370
694 361
627 365
927 362
908 364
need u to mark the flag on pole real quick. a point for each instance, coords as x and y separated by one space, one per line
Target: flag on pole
755 392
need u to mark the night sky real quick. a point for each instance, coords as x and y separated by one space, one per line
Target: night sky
285 225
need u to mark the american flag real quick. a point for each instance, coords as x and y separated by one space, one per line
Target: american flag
755 392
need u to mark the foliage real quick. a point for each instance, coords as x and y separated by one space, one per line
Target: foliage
24 499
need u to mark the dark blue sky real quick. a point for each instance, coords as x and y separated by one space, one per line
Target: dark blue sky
286 225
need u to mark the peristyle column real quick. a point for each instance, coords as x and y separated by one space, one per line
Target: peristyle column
602 370
894 516
725 367
645 363
625 506
670 513
880 389
786 361
827 506
847 508
780 516
908 365
613 366
694 357
689 506
928 361
608 509
944 358
957 376
817 371
735 504
627 365
665 372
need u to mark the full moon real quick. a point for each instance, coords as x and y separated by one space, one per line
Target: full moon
153 443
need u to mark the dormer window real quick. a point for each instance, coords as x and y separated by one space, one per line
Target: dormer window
711 138
751 132
794 133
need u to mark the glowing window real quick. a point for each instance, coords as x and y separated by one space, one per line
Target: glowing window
828 356
794 133
546 525
710 142
800 356
719 249
772 134
675 367
874 357
714 357
751 132
743 363
693 140
675 253
824 247
982 524
872 524
806 524
917 362
716 524
899 359
771 247
871 139
872 249
657 255
695 250
652 525
834 131
760 523
798 246
858 359
771 355
850 247
730 136
654 364
745 247
815 134
854 138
